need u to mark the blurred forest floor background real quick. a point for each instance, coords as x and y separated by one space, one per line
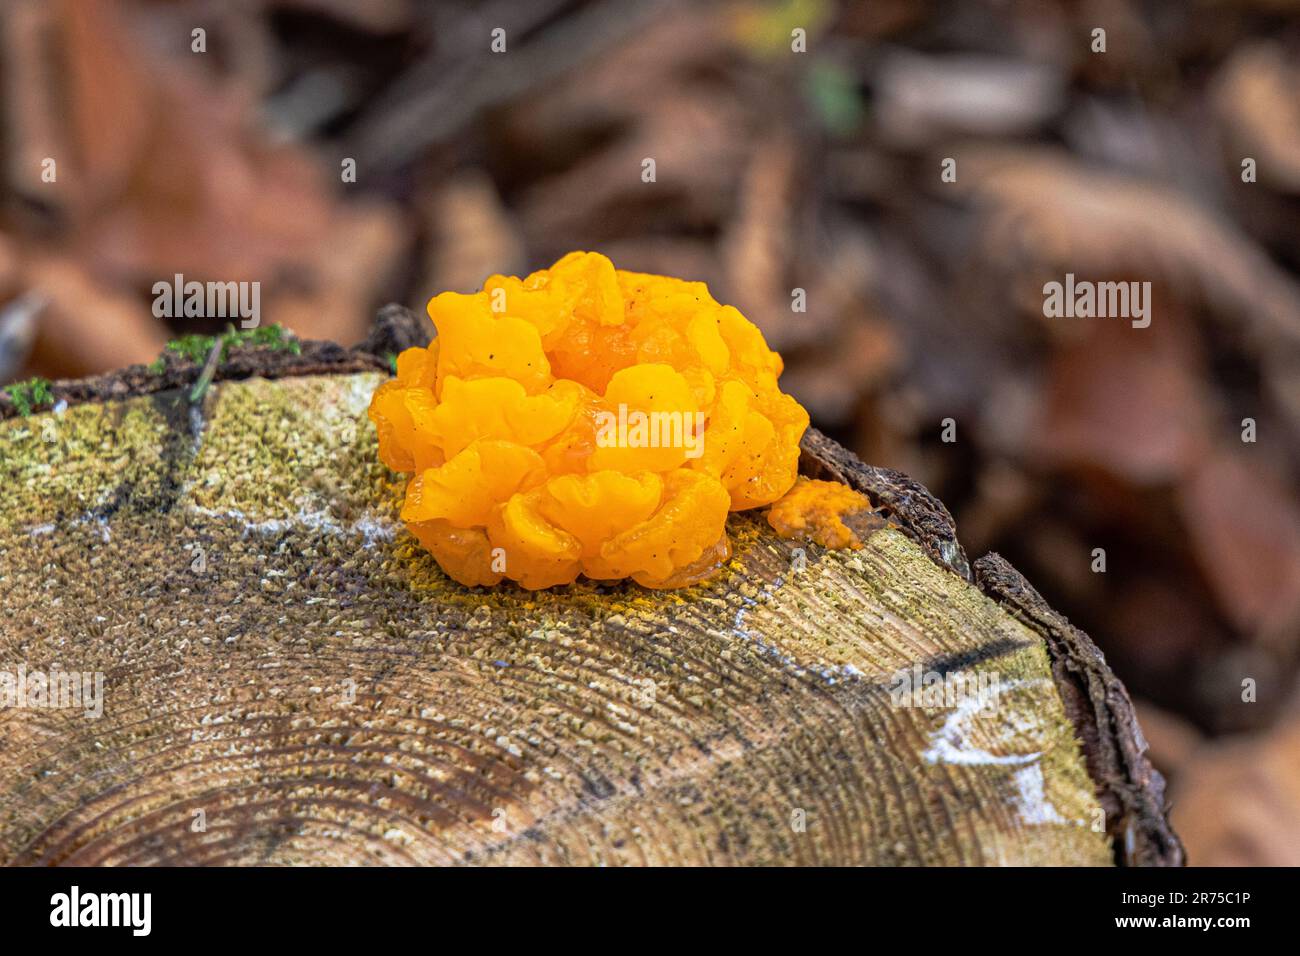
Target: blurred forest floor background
775 170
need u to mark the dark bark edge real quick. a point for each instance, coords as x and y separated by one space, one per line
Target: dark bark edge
1131 790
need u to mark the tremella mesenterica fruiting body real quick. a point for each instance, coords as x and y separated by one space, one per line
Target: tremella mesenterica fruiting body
586 420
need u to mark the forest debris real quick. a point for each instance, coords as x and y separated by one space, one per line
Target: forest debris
437 99
474 235
831 382
764 29
87 322
689 136
1237 803
670 256
1068 216
1255 99
757 249
165 176
1244 524
1003 495
925 97
31 131
624 82
376 16
113 107
1132 403
350 264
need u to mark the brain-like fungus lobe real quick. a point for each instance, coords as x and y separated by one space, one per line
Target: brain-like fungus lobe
585 420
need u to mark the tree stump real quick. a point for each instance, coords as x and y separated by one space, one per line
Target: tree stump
289 679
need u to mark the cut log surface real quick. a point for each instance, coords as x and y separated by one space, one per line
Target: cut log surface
289 679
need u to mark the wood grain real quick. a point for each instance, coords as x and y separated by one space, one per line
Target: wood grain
289 679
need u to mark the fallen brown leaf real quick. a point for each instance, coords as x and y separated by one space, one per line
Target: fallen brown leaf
1238 803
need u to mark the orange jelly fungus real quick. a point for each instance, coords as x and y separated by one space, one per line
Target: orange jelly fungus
507 424
814 511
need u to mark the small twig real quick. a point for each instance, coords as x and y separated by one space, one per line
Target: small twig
437 98
210 366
